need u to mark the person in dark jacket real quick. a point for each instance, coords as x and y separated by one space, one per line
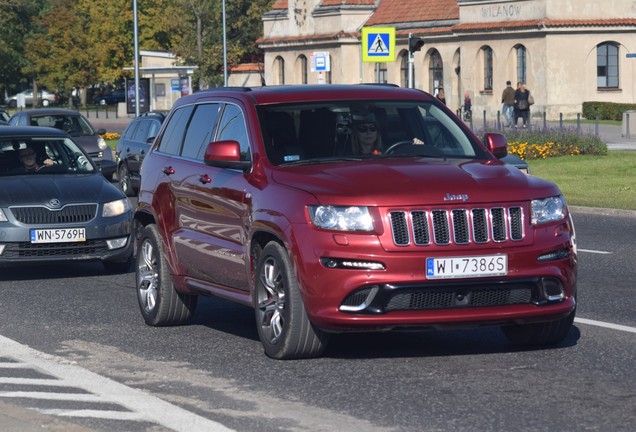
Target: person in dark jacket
522 105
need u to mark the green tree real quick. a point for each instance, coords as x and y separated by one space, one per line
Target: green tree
60 55
16 22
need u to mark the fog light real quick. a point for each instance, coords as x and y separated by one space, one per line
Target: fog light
351 264
116 243
552 290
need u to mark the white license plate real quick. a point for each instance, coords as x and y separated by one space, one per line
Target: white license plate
466 267
58 235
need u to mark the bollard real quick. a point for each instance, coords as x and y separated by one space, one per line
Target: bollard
485 129
498 121
596 125
545 122
560 120
578 123
628 135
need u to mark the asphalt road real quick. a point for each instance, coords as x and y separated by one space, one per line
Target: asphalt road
74 347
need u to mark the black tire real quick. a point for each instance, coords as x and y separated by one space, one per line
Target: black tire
548 333
283 326
123 180
159 302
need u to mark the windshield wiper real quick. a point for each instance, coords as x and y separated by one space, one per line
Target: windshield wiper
322 160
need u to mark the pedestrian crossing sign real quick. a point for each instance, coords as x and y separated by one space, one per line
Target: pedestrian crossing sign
378 44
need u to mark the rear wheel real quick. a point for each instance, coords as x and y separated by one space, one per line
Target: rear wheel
547 333
283 326
159 302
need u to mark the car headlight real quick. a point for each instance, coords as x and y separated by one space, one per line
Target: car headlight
342 218
3 217
116 208
101 143
548 210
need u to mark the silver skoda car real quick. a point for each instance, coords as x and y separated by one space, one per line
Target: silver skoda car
55 204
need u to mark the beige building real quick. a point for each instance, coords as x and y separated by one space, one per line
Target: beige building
566 51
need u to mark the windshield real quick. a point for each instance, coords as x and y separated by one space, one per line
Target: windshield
327 131
50 155
71 124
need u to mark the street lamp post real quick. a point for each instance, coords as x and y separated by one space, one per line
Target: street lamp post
136 54
224 49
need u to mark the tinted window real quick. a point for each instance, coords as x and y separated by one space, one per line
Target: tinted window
130 130
173 135
141 134
232 127
201 130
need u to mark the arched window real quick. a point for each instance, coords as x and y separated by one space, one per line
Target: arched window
521 63
488 67
302 64
280 66
404 69
435 72
607 65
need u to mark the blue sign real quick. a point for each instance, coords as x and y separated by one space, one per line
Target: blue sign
630 55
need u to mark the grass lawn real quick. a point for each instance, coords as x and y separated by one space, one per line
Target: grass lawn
592 181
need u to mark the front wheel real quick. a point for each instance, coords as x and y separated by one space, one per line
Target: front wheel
283 326
159 301
123 178
548 333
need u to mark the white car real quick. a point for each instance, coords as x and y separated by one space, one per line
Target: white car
45 98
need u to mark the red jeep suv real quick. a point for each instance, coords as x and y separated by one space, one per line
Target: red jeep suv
338 208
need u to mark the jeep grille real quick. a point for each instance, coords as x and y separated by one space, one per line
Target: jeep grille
456 226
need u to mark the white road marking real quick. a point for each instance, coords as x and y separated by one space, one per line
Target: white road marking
595 251
63 372
606 325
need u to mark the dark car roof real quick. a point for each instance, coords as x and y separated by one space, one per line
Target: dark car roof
49 111
32 131
298 93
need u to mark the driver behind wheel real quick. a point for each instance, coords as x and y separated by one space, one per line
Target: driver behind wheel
28 159
366 134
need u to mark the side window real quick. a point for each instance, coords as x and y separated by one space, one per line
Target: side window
142 131
173 135
130 130
232 127
153 130
201 130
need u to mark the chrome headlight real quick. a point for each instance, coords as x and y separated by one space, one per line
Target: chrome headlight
342 218
548 210
101 143
116 208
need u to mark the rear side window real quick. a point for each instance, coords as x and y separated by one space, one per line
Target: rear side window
175 130
201 130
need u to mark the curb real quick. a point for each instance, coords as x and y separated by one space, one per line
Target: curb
603 211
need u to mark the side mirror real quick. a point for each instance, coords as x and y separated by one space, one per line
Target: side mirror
225 154
106 167
497 144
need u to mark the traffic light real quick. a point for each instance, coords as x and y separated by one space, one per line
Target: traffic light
415 44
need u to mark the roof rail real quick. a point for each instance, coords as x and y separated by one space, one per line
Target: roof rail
380 84
229 88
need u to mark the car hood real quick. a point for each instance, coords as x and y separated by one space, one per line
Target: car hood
39 189
414 182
